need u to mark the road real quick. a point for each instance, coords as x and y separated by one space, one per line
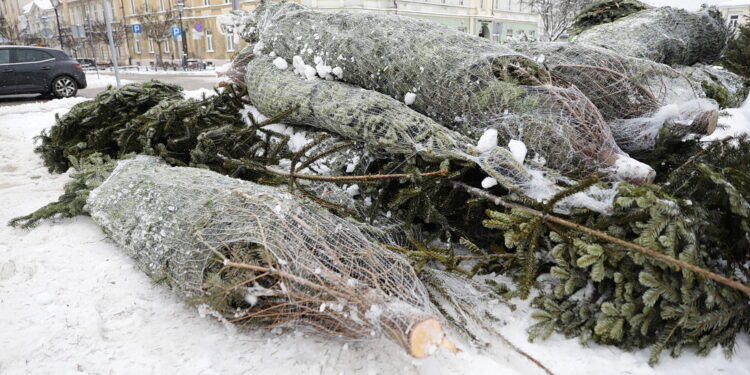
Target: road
188 82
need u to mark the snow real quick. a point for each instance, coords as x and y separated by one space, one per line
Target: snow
487 141
199 93
310 72
103 80
280 63
734 122
629 168
71 302
409 98
518 149
353 190
338 72
488 182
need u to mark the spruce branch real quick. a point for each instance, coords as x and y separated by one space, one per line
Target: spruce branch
603 236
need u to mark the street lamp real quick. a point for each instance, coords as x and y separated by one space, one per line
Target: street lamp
55 4
180 5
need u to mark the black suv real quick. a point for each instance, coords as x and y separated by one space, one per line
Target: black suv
30 70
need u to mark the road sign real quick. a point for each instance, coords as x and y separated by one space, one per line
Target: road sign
136 28
196 35
198 27
176 31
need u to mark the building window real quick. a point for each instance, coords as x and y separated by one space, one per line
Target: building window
166 46
509 34
734 20
230 42
497 28
532 35
145 6
132 6
206 2
161 5
138 46
150 45
227 1
209 40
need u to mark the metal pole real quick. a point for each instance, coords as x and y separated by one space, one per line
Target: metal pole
112 51
59 31
184 43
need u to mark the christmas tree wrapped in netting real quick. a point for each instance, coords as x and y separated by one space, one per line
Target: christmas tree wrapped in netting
261 257
463 83
667 35
637 97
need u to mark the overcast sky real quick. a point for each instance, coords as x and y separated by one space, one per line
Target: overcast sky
687 4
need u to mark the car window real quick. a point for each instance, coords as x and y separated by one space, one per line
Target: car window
30 55
4 56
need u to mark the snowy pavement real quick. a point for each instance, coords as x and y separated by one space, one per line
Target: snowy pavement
72 303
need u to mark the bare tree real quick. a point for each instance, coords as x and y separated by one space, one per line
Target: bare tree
10 30
556 15
99 34
157 27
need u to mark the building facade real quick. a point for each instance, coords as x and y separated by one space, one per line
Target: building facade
206 40
85 33
498 20
38 24
735 12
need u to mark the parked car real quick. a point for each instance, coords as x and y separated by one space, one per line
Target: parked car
30 70
87 62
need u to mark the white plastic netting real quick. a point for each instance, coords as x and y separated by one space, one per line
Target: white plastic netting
666 35
463 83
637 97
258 255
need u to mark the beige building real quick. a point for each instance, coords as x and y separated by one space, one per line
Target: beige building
84 29
498 20
735 11
205 40
10 10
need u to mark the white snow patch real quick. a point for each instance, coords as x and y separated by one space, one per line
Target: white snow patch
734 122
487 141
310 72
488 182
338 72
628 168
518 149
409 98
280 63
353 190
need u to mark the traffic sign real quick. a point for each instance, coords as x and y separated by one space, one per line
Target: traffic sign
176 31
196 35
136 28
198 27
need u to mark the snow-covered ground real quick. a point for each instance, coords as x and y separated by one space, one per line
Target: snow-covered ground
72 303
102 80
132 70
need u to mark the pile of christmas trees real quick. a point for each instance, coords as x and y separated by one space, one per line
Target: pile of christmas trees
406 150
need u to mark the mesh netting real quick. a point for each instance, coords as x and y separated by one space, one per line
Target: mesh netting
638 97
260 256
666 35
714 81
463 83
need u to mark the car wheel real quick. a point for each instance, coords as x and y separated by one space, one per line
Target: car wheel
64 87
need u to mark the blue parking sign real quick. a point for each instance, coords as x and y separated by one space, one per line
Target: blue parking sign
136 28
176 31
